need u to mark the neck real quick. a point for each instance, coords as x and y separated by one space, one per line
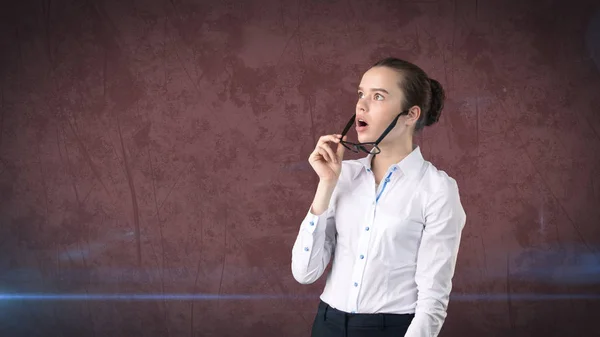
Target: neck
391 154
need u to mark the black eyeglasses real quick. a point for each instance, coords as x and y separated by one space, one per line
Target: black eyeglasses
368 147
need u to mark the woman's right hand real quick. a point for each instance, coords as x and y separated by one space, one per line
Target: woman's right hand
327 163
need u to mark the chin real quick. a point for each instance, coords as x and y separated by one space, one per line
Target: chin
365 139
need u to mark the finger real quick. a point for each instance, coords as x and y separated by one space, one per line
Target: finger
329 138
314 155
330 152
324 154
340 150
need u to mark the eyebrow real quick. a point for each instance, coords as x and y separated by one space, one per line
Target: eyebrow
375 89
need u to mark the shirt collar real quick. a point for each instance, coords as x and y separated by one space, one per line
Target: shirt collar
409 165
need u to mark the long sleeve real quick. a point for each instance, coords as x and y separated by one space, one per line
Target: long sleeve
436 260
314 246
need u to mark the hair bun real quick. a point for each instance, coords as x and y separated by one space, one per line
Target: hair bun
437 102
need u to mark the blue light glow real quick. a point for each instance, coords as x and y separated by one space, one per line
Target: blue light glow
134 297
211 297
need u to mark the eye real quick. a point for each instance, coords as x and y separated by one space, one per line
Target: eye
360 94
379 97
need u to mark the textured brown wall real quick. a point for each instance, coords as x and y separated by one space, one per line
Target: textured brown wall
152 148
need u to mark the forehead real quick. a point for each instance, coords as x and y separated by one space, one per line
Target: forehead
381 77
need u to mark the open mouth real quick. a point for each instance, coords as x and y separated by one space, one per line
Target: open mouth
362 123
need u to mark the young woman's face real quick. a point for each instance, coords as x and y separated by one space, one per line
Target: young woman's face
379 102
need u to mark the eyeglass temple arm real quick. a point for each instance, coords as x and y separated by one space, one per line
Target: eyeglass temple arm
389 128
348 125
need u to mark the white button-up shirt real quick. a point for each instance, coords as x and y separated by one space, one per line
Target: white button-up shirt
394 246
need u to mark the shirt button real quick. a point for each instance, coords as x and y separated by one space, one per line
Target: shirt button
362 257
387 180
306 249
355 284
367 229
395 168
312 223
368 170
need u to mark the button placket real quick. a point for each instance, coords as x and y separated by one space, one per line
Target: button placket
359 266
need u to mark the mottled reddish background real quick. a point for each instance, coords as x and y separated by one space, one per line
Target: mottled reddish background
160 147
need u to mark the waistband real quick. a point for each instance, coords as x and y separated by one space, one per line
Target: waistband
363 320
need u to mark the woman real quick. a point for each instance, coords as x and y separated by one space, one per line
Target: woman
391 220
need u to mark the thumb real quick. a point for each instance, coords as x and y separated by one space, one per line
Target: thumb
340 150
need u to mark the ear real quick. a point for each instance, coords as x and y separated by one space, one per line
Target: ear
413 115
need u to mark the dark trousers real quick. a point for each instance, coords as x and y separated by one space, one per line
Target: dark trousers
330 322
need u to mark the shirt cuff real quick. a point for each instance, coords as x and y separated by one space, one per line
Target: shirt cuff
312 222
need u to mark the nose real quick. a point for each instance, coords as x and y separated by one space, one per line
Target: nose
361 106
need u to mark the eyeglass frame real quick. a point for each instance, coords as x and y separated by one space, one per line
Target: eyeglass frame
357 147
